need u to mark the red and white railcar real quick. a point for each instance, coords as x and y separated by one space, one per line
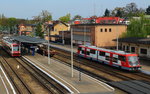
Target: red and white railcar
11 46
121 59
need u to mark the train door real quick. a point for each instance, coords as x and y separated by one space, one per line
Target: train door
88 53
108 58
122 60
11 49
93 54
101 56
82 52
115 60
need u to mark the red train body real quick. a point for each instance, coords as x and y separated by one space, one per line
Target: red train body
12 47
121 59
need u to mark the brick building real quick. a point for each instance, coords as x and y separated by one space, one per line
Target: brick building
57 27
25 29
100 35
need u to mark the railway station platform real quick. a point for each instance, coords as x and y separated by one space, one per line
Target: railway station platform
5 85
80 83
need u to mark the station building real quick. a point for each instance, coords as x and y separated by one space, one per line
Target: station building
100 35
140 46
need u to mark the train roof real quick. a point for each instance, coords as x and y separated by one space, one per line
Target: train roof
9 40
118 52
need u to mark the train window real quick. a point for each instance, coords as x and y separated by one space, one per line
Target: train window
92 51
79 48
122 58
15 48
102 53
82 51
107 57
87 53
115 60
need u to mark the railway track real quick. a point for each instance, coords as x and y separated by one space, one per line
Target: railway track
108 74
27 79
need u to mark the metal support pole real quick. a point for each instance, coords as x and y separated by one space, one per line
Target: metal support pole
84 34
63 41
71 53
48 48
117 38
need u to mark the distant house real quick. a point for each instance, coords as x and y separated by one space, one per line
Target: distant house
100 35
25 29
140 46
58 26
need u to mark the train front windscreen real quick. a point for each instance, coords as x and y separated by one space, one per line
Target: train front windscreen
133 60
16 48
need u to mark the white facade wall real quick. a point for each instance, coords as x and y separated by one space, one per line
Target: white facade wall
138 48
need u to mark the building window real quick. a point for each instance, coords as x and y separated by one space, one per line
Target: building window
127 49
124 48
105 30
143 51
133 49
101 30
109 29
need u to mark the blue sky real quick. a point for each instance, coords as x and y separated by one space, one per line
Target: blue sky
29 8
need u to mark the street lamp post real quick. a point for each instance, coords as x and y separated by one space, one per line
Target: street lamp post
84 34
71 53
48 48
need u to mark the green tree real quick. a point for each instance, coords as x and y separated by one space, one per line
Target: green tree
138 28
77 17
148 10
38 31
107 13
44 16
11 21
119 13
65 18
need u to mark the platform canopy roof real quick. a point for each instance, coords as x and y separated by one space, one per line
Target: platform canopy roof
28 39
